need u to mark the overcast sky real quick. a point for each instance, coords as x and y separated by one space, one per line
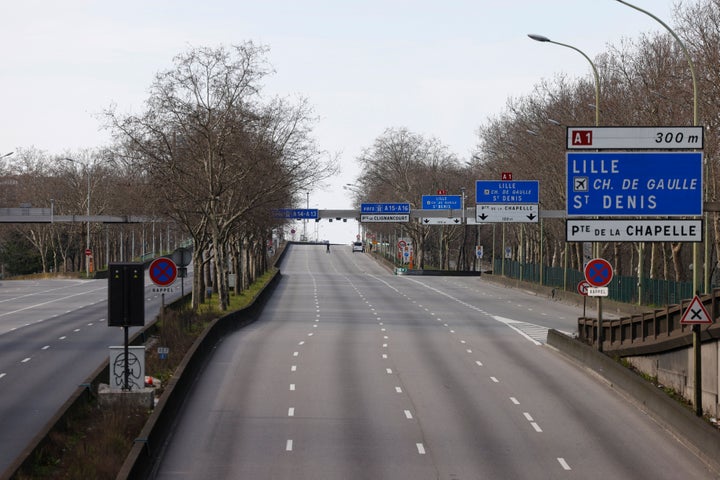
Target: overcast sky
439 68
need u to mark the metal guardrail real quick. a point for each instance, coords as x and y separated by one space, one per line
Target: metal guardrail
652 332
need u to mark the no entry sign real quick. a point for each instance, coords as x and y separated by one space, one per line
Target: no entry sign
582 287
163 272
598 272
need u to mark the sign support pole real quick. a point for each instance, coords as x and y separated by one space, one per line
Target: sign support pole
697 364
599 325
126 375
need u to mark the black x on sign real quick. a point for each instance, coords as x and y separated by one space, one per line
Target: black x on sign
696 313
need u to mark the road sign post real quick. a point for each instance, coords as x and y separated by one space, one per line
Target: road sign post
126 302
599 273
582 288
696 315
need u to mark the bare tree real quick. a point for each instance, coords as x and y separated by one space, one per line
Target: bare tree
215 152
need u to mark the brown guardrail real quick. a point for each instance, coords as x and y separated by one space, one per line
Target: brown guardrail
650 332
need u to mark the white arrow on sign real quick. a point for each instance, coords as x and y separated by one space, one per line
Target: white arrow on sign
511 213
441 221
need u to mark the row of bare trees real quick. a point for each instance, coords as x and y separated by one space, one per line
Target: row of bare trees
219 157
643 81
209 155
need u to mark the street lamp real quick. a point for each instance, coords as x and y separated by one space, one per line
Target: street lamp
87 240
595 246
541 38
696 255
697 360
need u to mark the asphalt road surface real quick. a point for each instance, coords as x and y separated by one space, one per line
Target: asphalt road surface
53 335
354 373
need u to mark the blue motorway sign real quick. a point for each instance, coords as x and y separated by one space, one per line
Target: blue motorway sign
385 208
507 192
441 202
634 183
297 213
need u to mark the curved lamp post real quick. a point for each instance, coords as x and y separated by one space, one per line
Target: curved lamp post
695 122
697 360
542 38
595 246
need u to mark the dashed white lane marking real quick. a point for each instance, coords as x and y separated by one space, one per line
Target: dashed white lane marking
384 356
384 345
295 354
292 387
289 446
45 347
536 427
291 412
514 400
2 375
62 338
420 448
76 330
528 416
293 368
408 414
468 350
397 389
301 343
25 360
563 464
494 379
389 371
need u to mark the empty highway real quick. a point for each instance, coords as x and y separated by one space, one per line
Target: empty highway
354 373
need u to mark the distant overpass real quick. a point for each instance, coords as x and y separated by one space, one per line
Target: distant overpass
46 215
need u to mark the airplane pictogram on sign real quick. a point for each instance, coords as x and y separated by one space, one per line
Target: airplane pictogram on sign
696 313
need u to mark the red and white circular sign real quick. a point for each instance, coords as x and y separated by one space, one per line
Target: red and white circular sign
598 272
163 272
582 287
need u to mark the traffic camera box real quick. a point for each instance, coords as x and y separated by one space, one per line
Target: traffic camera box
126 295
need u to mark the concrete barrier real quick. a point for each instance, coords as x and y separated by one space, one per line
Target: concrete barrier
149 445
699 436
